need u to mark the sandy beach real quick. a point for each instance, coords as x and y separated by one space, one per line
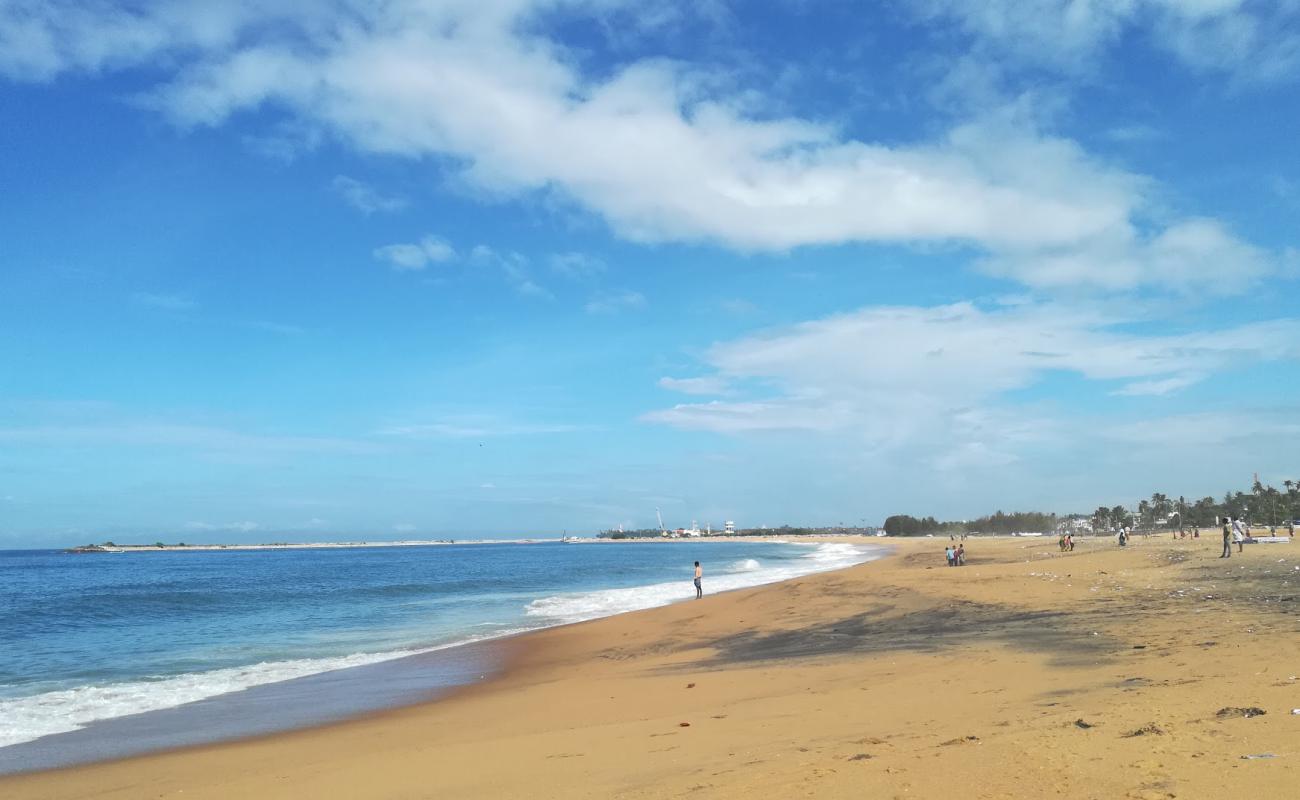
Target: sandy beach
1100 673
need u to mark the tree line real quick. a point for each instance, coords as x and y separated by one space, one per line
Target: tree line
1263 505
998 522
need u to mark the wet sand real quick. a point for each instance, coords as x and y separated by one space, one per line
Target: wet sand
1101 673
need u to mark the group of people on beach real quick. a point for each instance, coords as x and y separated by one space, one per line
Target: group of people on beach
956 555
1066 542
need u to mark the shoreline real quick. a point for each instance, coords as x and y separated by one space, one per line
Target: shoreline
43 753
181 548
1089 674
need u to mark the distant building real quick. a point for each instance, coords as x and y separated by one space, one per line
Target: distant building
728 527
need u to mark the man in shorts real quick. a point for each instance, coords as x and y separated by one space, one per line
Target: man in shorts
699 573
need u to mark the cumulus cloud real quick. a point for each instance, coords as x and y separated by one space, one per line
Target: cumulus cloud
417 256
365 198
661 150
577 266
514 268
1252 40
938 378
1195 256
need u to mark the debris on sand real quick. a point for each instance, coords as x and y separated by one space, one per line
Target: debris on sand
960 740
860 757
1150 729
1233 711
1079 723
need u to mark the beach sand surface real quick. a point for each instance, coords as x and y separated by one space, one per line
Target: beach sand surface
1101 673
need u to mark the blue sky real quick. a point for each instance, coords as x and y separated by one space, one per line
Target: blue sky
454 268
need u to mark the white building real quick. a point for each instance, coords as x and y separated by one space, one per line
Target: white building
728 527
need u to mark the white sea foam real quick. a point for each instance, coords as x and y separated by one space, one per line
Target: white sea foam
581 606
25 719
36 716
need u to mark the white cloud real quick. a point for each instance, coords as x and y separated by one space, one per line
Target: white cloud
614 302
418 256
1195 256
1252 40
1160 387
365 198
168 302
938 378
659 149
577 266
710 385
514 267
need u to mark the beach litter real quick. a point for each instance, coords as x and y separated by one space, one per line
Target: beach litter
1254 756
1233 711
1150 729
683 724
1079 723
960 740
860 757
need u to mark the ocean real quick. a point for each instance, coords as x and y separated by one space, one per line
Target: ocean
110 654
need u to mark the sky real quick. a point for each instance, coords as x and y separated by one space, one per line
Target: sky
275 271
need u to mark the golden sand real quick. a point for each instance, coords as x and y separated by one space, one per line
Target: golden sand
1102 673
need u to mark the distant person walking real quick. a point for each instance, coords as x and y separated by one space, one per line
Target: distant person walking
699 574
949 555
1238 535
1227 538
961 555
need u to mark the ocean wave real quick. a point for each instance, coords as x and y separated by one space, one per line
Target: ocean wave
577 607
61 711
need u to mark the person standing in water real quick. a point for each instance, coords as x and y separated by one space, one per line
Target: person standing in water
699 573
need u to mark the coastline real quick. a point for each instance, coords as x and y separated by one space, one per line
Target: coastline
205 706
840 683
184 548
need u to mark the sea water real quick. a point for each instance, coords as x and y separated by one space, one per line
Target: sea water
178 647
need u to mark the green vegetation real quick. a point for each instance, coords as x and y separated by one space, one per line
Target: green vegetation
1263 505
999 522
